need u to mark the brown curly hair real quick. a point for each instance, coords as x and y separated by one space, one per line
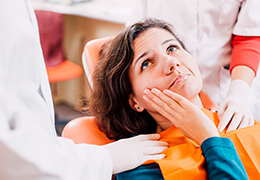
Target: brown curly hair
112 87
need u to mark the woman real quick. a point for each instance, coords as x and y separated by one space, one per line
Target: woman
230 31
149 56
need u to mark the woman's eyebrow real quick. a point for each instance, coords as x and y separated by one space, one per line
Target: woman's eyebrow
140 57
166 41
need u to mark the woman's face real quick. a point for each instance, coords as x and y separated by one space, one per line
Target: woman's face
161 62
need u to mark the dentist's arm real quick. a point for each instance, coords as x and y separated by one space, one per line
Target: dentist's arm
244 64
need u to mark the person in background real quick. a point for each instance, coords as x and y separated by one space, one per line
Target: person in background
224 38
145 82
30 148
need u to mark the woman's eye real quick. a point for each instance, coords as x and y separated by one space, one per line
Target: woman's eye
145 64
172 48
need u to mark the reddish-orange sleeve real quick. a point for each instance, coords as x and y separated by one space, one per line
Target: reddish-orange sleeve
245 51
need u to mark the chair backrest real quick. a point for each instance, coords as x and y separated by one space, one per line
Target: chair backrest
90 56
84 129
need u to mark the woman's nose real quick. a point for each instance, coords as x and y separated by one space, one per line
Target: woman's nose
171 65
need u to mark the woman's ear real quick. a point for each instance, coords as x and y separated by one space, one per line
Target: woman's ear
134 104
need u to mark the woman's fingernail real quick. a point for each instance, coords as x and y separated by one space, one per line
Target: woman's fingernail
154 90
145 97
165 91
146 91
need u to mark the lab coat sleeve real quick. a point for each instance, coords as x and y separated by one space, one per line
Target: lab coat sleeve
29 146
248 22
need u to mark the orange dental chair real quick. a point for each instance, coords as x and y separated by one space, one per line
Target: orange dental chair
85 129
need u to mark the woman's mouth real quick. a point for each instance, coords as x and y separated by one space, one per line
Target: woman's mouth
180 78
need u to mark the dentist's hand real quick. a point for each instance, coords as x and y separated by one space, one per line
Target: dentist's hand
187 117
132 152
233 111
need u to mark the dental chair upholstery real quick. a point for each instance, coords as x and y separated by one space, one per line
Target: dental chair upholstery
85 129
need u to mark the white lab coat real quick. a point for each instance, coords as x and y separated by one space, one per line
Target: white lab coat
206 28
29 148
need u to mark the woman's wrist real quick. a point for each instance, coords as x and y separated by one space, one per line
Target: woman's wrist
205 138
215 141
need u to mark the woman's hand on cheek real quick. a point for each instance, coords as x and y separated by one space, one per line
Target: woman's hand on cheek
188 118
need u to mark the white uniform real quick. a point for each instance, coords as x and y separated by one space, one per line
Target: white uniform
29 148
206 28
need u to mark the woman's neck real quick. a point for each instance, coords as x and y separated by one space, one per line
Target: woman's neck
197 101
